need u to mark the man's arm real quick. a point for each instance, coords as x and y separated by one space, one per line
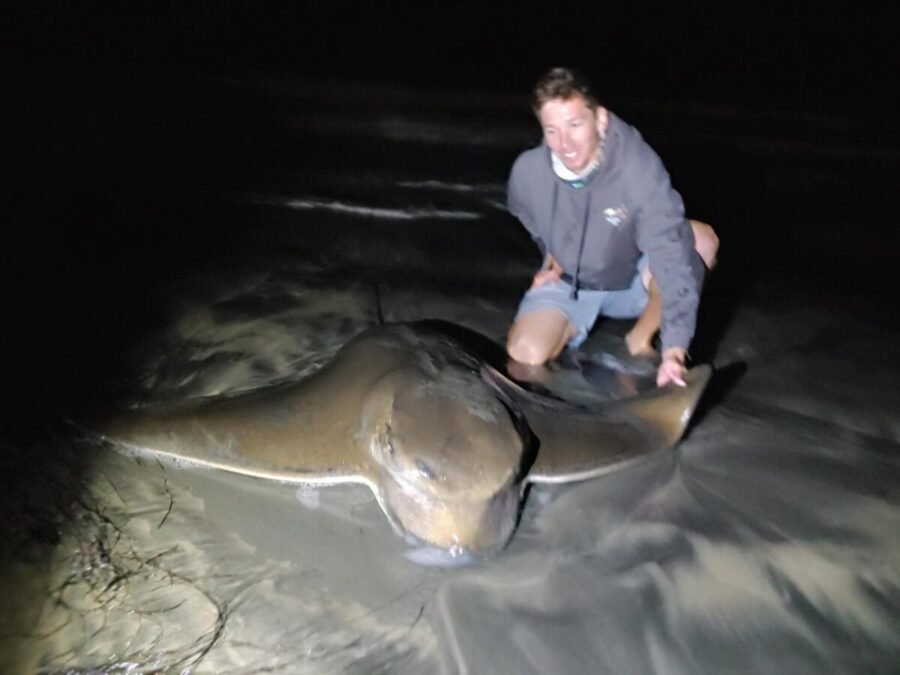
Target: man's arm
665 234
517 205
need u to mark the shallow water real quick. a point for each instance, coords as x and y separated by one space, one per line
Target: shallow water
769 541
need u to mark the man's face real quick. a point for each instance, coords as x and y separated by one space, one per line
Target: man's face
572 131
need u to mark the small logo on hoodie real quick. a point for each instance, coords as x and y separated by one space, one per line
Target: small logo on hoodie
615 216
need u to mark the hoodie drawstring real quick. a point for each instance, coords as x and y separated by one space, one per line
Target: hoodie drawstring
584 225
553 204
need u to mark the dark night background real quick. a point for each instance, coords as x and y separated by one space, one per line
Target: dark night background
121 141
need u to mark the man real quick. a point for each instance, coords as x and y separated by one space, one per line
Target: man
598 202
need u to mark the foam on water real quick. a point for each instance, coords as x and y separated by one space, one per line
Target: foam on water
380 212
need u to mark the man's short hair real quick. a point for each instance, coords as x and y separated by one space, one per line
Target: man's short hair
563 83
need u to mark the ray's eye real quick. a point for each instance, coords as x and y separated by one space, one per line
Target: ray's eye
424 470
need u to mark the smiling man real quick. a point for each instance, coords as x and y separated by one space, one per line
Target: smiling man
612 230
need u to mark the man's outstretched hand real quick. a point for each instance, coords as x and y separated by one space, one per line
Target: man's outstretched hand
672 368
551 271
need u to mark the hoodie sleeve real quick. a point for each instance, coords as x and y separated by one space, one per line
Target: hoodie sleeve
667 238
518 205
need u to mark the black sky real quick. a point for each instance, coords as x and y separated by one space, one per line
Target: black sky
800 53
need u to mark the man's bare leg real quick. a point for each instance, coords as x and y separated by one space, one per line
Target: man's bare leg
707 242
538 337
639 339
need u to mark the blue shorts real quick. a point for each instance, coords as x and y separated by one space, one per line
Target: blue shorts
582 312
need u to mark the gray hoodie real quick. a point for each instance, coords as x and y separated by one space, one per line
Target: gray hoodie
598 232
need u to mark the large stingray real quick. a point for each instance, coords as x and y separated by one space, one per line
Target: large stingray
445 441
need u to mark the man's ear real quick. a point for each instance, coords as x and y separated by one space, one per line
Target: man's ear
602 115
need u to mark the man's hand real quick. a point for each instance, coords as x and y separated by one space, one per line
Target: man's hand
672 368
551 271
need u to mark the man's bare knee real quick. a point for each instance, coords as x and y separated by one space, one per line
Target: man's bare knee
534 349
707 242
525 350
538 337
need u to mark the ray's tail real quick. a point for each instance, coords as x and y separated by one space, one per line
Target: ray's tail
379 313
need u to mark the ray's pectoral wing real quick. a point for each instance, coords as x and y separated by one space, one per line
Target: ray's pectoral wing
266 436
577 445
